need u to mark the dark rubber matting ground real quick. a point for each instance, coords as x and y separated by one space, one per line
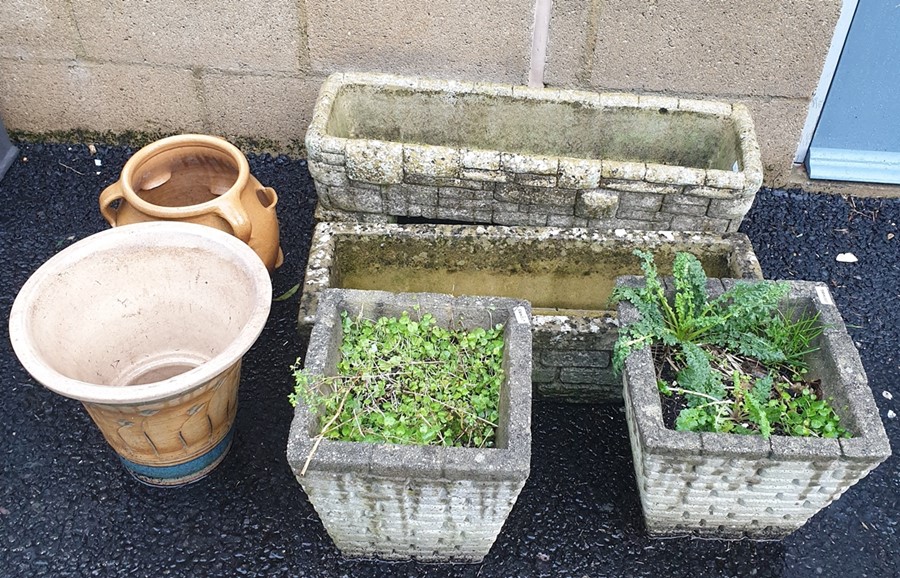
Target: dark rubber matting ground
68 509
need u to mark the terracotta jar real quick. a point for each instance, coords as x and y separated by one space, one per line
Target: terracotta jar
198 179
146 325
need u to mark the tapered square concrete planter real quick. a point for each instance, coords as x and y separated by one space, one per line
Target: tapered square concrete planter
733 485
566 274
385 147
424 502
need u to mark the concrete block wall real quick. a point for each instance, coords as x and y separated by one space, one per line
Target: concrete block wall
253 68
236 69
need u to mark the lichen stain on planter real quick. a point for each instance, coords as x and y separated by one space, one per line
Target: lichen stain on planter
382 147
567 275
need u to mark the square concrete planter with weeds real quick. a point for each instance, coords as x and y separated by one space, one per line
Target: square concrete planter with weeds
566 274
383 148
731 485
424 502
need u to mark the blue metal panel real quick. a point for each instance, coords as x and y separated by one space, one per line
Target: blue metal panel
858 136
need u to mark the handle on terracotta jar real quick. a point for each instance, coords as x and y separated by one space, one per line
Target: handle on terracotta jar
268 197
110 195
237 218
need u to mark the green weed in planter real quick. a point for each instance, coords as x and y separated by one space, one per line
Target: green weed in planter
407 381
733 364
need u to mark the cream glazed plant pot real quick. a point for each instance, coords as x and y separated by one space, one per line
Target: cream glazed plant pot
429 503
730 485
146 325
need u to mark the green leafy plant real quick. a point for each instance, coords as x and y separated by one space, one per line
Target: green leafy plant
409 381
733 364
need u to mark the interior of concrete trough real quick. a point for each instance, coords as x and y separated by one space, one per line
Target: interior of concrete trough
556 277
68 508
567 129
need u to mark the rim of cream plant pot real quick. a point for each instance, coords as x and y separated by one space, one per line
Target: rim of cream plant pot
160 234
137 161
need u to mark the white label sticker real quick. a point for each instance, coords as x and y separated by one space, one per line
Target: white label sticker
824 296
521 315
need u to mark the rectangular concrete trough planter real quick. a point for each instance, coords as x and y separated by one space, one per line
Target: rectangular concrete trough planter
567 275
731 484
425 502
384 147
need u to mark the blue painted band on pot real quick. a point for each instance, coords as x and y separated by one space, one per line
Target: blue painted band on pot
185 473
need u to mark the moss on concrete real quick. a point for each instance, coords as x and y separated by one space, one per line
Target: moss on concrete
136 139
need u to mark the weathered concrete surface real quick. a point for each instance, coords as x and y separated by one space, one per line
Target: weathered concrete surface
253 35
513 155
37 29
707 49
732 485
714 47
448 38
570 48
778 124
46 96
273 106
422 502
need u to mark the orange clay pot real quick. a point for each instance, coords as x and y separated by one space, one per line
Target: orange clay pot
196 179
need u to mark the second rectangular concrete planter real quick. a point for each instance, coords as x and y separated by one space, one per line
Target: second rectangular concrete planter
384 147
429 503
735 485
567 275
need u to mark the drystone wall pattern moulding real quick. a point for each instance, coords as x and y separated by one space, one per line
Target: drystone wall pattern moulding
383 146
566 274
430 503
731 485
